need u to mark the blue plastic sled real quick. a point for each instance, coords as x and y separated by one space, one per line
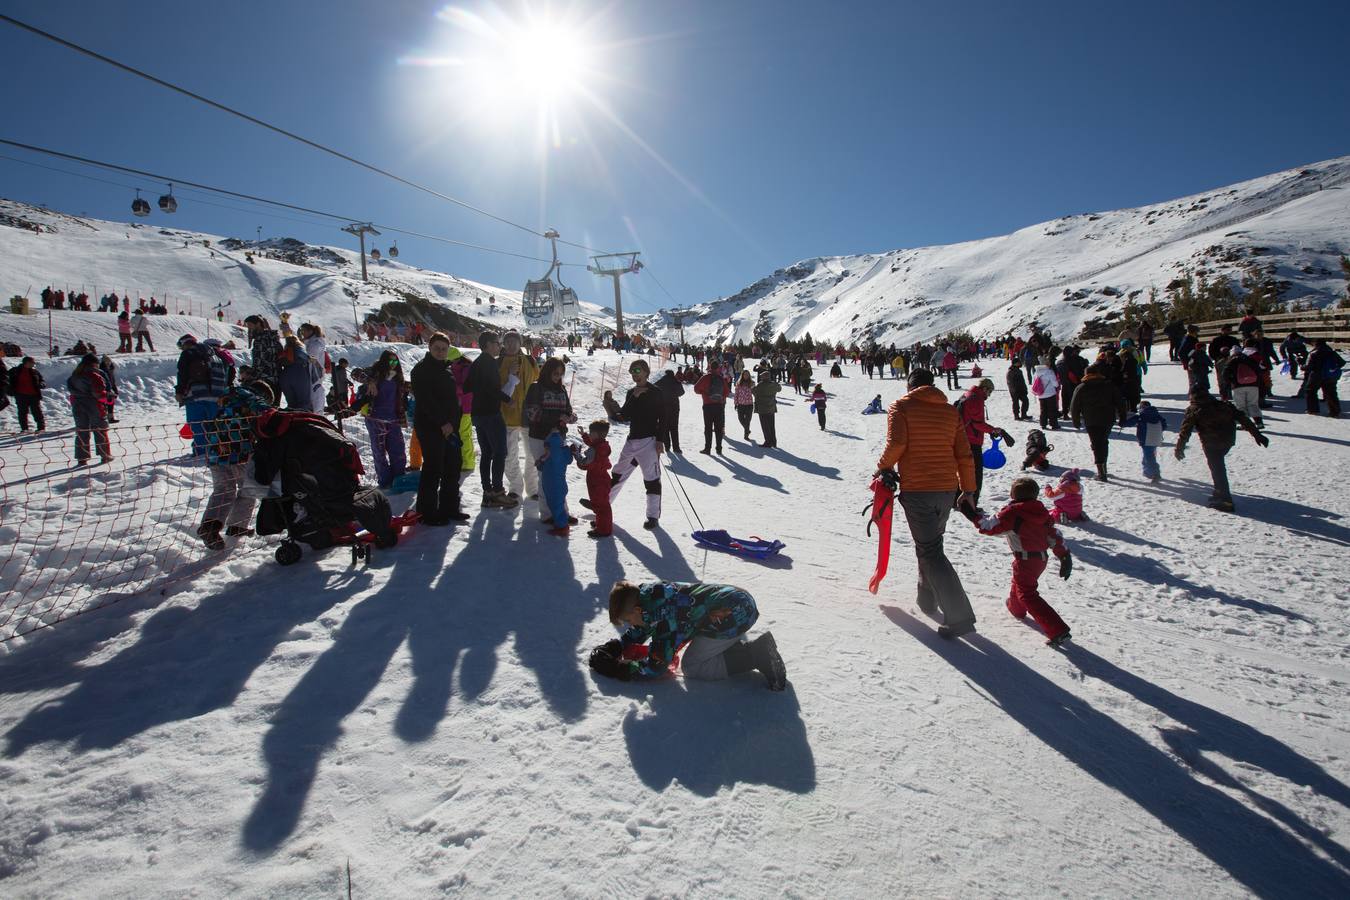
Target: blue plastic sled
753 547
994 458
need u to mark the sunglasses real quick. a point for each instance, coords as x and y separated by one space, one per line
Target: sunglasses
636 370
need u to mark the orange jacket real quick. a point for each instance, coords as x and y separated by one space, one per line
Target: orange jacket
927 443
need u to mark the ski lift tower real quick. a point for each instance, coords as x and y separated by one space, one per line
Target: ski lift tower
361 229
615 265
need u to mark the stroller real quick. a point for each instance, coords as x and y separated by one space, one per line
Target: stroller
321 493
1038 451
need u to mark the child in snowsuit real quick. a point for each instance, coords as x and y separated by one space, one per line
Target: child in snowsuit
553 480
1068 497
1032 536
1149 432
818 402
873 408
1038 451
594 458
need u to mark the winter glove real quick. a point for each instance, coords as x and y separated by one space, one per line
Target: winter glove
1263 440
613 647
1007 438
1065 566
890 479
609 666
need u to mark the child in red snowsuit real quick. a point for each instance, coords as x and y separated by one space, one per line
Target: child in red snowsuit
1032 536
595 460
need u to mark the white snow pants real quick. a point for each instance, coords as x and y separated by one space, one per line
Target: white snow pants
519 457
702 658
1247 398
640 453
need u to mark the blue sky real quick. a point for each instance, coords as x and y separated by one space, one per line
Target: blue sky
723 139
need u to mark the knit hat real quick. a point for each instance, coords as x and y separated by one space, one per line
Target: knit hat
919 378
185 340
1070 477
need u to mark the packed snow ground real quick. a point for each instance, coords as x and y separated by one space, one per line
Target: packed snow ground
432 721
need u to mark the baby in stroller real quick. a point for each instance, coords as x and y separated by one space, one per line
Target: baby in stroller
321 492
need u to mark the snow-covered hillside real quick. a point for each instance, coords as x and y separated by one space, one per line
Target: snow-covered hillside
1064 273
193 272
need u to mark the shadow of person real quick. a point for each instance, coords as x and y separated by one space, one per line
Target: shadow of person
710 735
1319 438
1101 529
749 476
851 437
666 563
1152 572
179 667
1308 521
678 465
1201 728
425 602
810 467
1251 848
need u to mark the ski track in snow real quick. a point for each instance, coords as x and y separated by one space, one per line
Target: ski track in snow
432 720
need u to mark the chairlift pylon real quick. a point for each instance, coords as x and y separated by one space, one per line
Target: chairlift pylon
167 202
139 206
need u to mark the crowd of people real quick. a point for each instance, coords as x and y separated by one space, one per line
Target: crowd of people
508 413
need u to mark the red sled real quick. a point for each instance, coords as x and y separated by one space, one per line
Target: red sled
881 511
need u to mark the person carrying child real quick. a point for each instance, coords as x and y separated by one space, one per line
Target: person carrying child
818 398
594 459
1149 432
1068 497
1032 536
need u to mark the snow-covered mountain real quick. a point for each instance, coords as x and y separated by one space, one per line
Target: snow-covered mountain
1065 273
195 271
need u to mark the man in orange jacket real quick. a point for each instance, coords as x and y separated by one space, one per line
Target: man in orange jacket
927 443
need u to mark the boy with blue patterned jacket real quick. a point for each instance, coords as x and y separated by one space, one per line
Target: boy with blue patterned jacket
705 621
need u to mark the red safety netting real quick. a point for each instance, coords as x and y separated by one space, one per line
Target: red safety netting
77 538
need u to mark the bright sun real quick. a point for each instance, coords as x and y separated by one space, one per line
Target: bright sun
512 73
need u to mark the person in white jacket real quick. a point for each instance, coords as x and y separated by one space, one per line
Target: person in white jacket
1045 388
317 348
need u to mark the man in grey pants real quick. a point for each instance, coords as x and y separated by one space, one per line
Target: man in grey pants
927 443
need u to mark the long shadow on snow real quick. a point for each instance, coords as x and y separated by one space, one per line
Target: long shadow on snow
1152 572
741 473
686 469
450 615
1201 728
1101 529
710 735
1308 437
1252 849
810 467
187 662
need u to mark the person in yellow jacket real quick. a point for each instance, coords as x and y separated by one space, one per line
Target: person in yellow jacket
518 371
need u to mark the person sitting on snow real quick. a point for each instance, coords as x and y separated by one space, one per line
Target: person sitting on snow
874 407
700 624
1068 497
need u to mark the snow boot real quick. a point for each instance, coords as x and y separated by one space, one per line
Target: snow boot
650 524
1101 472
239 531
1059 640
760 654
585 501
706 450
957 629
209 532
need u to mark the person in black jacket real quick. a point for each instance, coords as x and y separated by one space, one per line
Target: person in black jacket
1070 370
436 418
1098 404
1175 331
1216 422
547 407
1323 374
671 392
488 395
644 411
1017 393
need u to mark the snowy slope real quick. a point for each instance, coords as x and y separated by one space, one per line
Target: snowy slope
153 260
1063 273
432 722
